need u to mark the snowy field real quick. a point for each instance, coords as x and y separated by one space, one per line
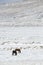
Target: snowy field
21 26
28 39
25 13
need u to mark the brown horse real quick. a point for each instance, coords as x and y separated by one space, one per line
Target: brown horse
15 51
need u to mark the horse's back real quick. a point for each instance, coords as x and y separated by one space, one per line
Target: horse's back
18 50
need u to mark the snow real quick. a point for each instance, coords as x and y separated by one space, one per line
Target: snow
28 39
25 13
21 26
21 34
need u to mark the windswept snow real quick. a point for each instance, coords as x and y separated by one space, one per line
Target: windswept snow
28 39
25 13
21 26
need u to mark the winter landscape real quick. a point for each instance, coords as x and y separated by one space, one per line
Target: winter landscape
21 26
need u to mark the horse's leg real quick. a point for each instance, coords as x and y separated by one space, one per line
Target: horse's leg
15 53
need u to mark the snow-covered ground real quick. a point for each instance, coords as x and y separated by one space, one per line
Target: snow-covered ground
25 13
28 39
21 26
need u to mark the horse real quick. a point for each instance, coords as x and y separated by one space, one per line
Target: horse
15 51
